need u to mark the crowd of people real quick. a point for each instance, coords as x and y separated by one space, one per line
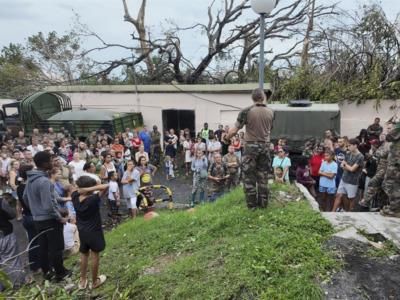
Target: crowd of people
352 174
60 181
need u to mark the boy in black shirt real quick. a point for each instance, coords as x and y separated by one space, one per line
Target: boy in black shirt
87 207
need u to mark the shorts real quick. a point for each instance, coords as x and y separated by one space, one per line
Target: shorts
113 206
93 241
348 189
131 202
328 190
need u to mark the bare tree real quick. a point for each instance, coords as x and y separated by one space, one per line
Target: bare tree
310 27
230 36
139 24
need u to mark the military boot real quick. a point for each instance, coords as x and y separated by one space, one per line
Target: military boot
263 200
387 212
251 201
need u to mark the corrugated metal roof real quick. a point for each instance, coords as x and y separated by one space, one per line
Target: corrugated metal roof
87 115
162 88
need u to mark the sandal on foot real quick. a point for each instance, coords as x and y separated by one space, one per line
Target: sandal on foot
99 281
82 286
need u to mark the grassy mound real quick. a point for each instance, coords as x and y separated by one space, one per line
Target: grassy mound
219 251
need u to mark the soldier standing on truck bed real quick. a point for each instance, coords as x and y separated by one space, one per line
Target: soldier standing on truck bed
256 161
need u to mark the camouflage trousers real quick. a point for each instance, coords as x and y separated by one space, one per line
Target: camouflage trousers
232 181
394 198
256 163
373 190
155 153
199 184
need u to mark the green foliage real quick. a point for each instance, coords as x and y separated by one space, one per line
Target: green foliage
18 72
5 281
357 61
46 291
388 249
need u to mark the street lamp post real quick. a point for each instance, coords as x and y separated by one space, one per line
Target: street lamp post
262 7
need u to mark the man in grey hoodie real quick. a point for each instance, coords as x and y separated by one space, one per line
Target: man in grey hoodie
39 196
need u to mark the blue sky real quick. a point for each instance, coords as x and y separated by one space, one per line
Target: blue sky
22 18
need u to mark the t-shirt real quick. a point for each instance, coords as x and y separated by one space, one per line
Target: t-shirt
303 175
283 163
315 164
258 120
78 168
145 137
88 217
69 232
35 149
340 156
212 146
352 159
113 188
326 167
130 189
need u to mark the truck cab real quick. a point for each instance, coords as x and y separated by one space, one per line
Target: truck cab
10 117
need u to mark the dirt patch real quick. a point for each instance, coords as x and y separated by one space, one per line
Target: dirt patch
161 263
362 276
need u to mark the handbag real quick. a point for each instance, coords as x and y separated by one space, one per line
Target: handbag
203 174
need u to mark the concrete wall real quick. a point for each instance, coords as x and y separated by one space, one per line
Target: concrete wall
218 108
356 117
207 107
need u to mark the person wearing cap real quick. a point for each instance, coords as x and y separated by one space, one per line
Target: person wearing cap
256 161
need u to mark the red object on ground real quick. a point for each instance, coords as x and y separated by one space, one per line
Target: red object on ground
150 215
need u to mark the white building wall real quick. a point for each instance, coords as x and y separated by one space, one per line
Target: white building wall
356 117
219 108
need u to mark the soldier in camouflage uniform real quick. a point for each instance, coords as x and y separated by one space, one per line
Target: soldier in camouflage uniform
232 163
256 161
375 188
391 183
155 146
217 175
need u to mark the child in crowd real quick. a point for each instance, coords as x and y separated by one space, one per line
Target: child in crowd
87 207
114 195
281 165
71 236
327 182
68 189
169 168
303 176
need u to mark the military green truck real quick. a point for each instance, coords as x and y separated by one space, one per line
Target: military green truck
300 120
53 109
